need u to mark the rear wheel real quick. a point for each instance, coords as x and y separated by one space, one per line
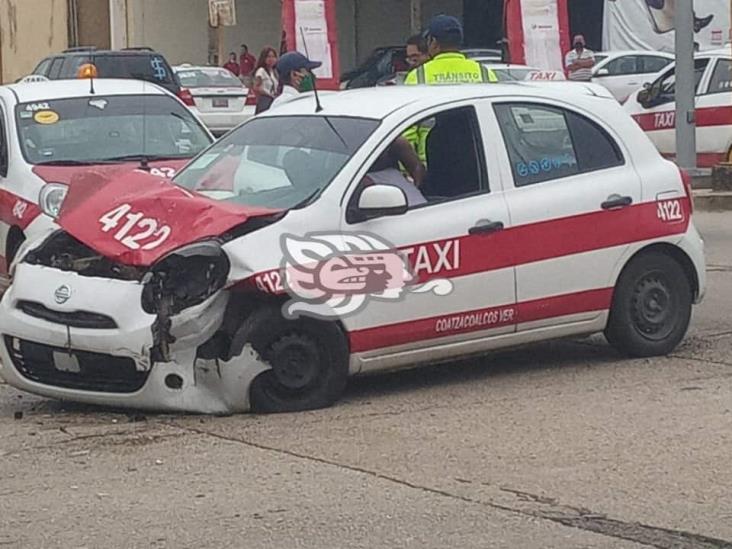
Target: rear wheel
651 307
308 359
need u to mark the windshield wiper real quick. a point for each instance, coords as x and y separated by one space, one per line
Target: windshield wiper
141 157
307 200
73 162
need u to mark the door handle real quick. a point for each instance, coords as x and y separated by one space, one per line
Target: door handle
615 202
486 227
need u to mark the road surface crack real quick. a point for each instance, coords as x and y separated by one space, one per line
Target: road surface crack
539 507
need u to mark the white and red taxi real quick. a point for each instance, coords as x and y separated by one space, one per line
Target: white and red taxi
55 134
654 108
294 253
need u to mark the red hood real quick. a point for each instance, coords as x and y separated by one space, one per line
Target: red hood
145 216
67 174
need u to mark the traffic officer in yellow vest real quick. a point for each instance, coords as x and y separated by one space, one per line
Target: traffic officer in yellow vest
448 65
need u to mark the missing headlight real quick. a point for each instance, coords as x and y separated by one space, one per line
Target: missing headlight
184 278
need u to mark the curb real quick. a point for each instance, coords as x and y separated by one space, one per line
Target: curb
707 200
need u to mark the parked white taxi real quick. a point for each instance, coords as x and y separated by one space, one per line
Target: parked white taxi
654 108
57 133
294 253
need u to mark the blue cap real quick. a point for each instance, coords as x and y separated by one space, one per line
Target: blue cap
295 61
444 26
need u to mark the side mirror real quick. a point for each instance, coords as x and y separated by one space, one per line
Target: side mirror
603 72
644 96
381 200
647 85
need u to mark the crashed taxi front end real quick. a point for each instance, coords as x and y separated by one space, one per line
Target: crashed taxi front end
125 322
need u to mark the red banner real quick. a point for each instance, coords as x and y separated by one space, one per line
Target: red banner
309 26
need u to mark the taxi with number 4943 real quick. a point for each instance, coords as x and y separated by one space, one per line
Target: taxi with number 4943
54 134
307 246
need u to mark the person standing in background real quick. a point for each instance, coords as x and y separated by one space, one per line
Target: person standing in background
247 62
231 65
295 73
448 65
417 54
266 82
579 61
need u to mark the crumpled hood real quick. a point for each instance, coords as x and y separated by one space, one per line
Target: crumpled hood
138 218
68 174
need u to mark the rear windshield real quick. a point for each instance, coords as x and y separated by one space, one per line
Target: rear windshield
103 129
208 78
152 68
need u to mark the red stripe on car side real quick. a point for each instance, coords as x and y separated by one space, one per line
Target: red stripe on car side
544 240
440 326
665 120
15 210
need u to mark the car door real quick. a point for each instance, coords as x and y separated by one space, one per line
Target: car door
570 210
456 237
714 116
658 116
619 75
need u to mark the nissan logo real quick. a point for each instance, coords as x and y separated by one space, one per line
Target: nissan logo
62 294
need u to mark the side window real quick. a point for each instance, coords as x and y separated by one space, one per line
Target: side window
721 77
623 65
651 64
546 143
438 159
664 89
55 70
42 67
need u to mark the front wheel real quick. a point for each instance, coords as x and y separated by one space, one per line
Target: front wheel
308 360
651 307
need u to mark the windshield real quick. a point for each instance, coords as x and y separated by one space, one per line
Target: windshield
279 162
104 128
208 78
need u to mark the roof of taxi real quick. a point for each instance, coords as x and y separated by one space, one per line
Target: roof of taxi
380 102
64 89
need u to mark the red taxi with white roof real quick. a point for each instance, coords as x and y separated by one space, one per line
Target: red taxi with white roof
293 253
55 134
654 108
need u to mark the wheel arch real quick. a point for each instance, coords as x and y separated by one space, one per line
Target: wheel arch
15 238
243 303
674 252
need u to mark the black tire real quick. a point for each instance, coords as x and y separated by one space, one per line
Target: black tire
309 360
651 307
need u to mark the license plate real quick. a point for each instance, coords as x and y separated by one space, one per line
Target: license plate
221 102
65 362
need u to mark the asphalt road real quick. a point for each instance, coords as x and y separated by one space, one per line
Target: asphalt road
557 445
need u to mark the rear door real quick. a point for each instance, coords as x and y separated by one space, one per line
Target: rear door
714 116
571 210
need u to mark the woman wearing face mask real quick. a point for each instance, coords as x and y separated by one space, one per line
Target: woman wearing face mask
295 74
266 82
